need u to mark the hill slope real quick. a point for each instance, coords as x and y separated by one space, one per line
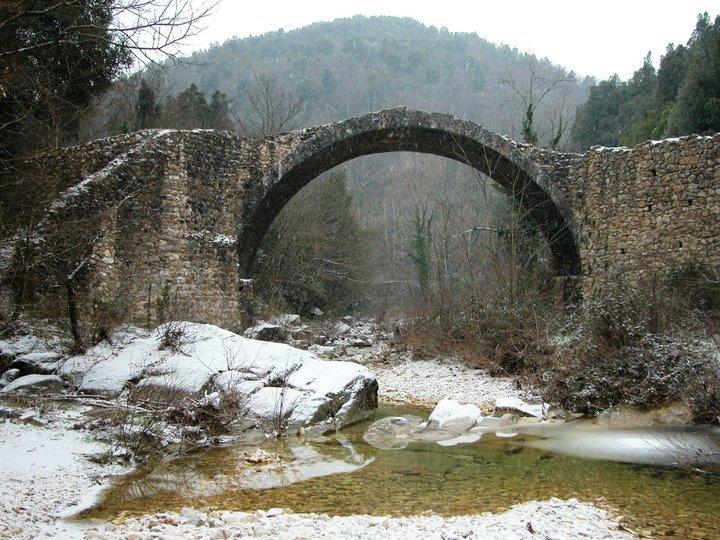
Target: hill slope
351 66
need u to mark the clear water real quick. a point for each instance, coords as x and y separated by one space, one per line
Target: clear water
342 475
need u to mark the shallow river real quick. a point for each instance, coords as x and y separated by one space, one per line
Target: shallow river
344 475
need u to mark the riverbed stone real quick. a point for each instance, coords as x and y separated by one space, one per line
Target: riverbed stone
265 331
34 383
9 376
514 405
392 433
449 415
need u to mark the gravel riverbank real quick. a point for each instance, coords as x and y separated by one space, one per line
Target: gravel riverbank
537 519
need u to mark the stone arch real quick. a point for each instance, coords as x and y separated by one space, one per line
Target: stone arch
508 163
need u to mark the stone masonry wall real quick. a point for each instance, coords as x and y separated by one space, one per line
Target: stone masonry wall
173 204
648 209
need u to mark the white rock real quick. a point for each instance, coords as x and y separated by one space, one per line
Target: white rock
44 361
451 414
209 356
32 383
341 329
509 404
287 319
9 376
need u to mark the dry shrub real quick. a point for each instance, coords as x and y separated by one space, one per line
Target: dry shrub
645 344
496 333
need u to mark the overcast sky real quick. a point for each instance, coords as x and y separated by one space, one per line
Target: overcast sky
599 37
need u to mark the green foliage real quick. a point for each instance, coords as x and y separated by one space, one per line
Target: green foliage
53 61
190 110
147 110
528 132
348 67
682 97
697 108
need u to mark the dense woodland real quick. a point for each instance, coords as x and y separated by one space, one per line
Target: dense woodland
681 96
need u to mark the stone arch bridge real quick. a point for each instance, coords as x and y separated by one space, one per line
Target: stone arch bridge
169 221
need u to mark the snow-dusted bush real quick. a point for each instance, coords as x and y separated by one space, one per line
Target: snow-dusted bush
643 345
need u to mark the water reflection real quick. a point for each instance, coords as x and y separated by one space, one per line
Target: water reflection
344 475
225 469
668 446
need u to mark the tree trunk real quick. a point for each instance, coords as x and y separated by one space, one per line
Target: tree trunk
72 315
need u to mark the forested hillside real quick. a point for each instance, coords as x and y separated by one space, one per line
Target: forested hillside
351 66
682 96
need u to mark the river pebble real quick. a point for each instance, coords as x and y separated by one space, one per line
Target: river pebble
537 519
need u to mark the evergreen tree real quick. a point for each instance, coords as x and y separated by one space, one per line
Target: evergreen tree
147 110
219 111
697 109
190 110
54 59
682 97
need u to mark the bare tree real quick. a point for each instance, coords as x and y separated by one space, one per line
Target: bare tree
532 88
269 109
148 29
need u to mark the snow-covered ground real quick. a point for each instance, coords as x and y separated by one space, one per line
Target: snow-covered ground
44 477
426 382
546 519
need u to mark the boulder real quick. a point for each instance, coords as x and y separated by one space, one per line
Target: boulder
287 319
34 383
513 405
18 346
451 416
316 312
39 363
282 386
266 332
7 355
341 329
9 376
303 333
392 433
623 415
361 342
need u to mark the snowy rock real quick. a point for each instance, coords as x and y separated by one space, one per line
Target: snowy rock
341 329
282 387
33 383
287 319
7 355
316 312
21 345
9 376
513 405
361 342
303 333
42 362
449 415
266 332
